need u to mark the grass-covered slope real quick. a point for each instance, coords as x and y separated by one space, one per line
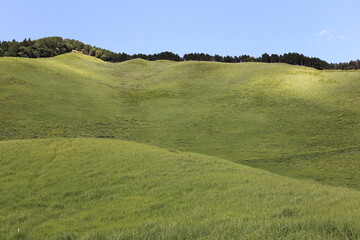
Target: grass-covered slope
114 189
292 120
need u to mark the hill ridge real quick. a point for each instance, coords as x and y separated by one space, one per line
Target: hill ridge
52 46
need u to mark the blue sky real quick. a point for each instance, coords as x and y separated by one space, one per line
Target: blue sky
328 29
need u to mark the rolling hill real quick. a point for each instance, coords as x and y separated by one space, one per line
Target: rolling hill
139 149
115 189
291 120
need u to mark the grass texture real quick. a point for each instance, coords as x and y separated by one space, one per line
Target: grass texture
115 189
157 150
291 120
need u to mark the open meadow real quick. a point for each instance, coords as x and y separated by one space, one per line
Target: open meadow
177 150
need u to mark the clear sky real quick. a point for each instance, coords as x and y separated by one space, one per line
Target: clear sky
329 29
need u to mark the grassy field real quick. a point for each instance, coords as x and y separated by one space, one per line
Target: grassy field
85 169
115 189
270 116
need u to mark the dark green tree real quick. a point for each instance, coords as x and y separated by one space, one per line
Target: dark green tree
13 49
218 58
98 53
274 58
265 58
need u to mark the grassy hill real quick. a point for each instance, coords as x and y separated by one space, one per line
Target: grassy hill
80 175
291 120
115 189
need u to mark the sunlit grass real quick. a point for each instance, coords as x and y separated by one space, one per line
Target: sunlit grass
290 120
113 189
241 112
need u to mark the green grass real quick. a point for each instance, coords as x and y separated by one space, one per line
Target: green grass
199 123
114 189
249 113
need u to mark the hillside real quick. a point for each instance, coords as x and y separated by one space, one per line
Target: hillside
114 189
291 120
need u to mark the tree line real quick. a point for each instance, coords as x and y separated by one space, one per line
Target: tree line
53 46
